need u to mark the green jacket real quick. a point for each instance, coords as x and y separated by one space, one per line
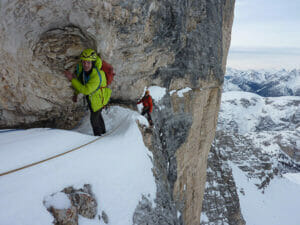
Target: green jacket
98 97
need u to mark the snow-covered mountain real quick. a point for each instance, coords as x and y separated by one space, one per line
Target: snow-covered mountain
253 173
264 83
245 112
271 124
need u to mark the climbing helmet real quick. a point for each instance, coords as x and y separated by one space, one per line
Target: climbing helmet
88 55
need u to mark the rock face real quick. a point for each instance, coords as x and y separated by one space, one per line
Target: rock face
171 43
221 200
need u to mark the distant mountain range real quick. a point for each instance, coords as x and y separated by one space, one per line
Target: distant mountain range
264 83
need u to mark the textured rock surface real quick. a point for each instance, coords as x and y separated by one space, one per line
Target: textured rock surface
221 201
170 43
64 216
82 202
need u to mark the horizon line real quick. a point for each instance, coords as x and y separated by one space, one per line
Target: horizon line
264 50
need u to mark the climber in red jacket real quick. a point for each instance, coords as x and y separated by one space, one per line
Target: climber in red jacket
147 106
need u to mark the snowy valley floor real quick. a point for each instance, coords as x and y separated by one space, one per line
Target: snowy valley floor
118 167
278 205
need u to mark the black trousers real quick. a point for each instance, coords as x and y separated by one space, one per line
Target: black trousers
146 111
97 123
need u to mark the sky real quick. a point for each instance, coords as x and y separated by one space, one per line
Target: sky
265 35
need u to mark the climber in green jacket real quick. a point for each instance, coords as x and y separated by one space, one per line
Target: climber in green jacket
90 80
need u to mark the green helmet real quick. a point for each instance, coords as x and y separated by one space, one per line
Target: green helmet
88 55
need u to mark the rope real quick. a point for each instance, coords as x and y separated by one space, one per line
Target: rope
58 155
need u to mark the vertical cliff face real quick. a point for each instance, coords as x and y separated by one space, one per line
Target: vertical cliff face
221 203
173 44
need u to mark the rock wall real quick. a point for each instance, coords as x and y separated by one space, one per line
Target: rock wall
170 43
221 203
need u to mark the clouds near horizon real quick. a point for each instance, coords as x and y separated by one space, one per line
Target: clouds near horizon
261 25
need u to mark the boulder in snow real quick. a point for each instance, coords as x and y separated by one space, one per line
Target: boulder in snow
65 206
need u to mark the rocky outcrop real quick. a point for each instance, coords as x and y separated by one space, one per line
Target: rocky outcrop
173 44
67 205
221 201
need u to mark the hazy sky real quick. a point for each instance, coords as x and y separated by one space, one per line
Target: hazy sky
265 34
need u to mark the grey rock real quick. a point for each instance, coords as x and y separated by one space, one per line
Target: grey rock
221 201
82 203
85 204
265 123
64 216
104 217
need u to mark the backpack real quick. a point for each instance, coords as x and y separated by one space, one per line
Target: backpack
109 72
107 68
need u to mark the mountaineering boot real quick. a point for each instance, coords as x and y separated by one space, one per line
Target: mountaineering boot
150 123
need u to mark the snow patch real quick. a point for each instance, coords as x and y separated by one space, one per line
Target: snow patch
204 217
58 200
172 92
274 207
157 93
181 91
293 177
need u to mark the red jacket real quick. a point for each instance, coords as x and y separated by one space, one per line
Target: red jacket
147 102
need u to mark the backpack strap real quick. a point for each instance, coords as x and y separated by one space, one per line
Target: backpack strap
100 78
77 69
99 87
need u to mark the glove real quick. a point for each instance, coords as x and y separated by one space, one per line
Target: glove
69 75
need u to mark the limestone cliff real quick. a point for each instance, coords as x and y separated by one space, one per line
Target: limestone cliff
169 43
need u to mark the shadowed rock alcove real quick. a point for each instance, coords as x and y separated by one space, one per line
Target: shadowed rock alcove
59 48
44 95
